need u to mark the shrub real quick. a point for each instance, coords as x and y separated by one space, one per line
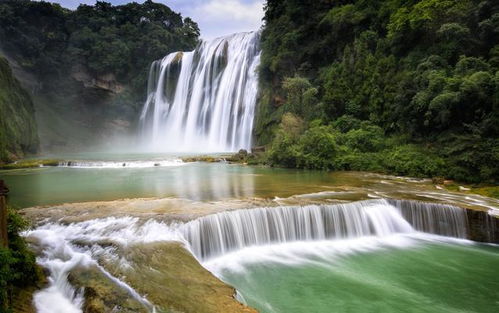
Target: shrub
361 162
18 267
411 160
369 138
318 148
346 123
283 151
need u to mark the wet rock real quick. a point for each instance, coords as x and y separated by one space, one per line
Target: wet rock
101 294
203 158
483 227
175 282
244 157
438 180
258 149
105 82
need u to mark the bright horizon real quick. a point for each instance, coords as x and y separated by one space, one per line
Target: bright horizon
215 17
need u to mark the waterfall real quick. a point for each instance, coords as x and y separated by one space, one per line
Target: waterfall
220 233
433 218
203 100
81 244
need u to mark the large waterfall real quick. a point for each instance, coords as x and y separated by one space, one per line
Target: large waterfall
203 100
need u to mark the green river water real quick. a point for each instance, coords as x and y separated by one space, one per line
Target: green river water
418 275
429 277
209 182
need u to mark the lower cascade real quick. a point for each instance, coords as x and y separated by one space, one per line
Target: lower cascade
82 244
220 233
203 100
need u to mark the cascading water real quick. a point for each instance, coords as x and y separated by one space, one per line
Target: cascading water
203 100
60 256
441 219
220 233
212 236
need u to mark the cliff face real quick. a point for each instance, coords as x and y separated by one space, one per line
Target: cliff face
18 130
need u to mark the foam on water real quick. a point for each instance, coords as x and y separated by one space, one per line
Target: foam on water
319 253
60 256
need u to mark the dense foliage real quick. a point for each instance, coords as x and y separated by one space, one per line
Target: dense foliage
87 68
122 40
350 144
18 268
410 87
18 134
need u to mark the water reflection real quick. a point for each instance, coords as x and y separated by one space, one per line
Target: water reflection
211 183
192 181
220 181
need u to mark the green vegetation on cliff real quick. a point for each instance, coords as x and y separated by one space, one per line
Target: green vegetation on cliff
122 40
90 65
406 87
19 274
18 134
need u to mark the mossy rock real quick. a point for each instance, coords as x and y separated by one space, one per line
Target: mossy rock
203 158
174 281
101 294
29 164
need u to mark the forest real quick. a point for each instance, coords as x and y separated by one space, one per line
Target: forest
49 45
403 87
48 39
87 68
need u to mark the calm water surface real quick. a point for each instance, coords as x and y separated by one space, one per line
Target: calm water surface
195 181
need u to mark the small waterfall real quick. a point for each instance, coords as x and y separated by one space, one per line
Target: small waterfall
434 218
80 244
217 234
203 100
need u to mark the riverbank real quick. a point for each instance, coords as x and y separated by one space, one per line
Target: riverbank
247 163
488 190
28 163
